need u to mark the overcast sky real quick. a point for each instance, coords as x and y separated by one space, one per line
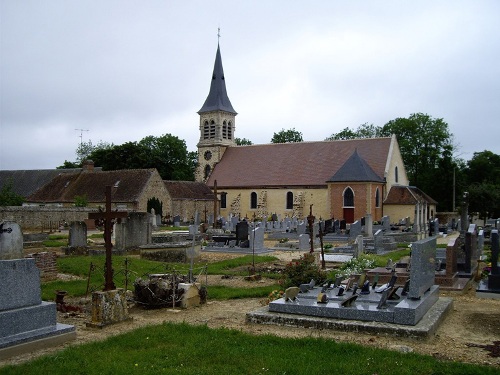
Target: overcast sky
124 70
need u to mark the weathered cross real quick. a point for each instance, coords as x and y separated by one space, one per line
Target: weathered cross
108 218
310 221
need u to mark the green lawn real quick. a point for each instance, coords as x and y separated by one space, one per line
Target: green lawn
184 349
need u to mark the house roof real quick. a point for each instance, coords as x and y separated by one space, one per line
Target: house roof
189 190
128 185
295 164
217 98
355 169
26 182
407 195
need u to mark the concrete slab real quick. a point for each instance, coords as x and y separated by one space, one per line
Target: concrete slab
426 327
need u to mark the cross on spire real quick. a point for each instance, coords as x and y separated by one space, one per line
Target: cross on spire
218 34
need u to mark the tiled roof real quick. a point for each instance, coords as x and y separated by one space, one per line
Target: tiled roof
407 195
127 184
295 164
26 182
356 169
189 190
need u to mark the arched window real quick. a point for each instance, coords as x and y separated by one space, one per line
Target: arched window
212 129
377 198
224 130
253 200
229 130
206 130
223 197
396 177
207 170
289 200
348 197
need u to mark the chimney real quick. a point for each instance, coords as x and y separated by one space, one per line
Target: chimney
88 166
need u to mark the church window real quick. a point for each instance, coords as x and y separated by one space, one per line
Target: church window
207 170
377 198
206 130
289 200
224 130
223 200
229 130
348 197
253 200
396 177
212 129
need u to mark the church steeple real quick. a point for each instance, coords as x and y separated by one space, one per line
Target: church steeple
217 99
217 118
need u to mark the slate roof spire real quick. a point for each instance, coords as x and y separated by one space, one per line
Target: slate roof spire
217 99
356 169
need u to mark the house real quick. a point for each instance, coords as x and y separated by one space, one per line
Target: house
342 179
188 197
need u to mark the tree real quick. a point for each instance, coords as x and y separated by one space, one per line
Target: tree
363 131
168 154
484 167
8 197
287 136
243 142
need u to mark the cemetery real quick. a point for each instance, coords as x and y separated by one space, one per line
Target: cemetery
405 297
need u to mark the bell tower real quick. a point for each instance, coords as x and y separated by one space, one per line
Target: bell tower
217 118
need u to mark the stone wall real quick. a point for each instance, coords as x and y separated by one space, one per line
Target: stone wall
42 219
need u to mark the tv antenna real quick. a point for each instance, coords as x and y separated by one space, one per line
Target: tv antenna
81 135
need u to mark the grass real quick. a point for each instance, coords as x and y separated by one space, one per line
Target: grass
80 266
184 349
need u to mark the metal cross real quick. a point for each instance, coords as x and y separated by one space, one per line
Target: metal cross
108 217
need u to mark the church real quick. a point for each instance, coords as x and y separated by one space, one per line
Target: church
344 179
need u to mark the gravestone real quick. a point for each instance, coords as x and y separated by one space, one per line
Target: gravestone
355 229
177 221
494 277
386 223
26 322
480 242
134 231
301 228
470 248
422 272
304 242
359 246
241 231
11 240
336 227
343 225
378 241
153 217
77 240
257 239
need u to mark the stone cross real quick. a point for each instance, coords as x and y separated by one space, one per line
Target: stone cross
310 221
108 217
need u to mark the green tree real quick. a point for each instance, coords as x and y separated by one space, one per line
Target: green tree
243 142
363 131
8 197
287 136
69 165
81 200
484 167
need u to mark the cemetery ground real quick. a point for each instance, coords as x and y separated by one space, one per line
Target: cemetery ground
467 335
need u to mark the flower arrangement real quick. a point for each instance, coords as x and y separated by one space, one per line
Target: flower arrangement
302 271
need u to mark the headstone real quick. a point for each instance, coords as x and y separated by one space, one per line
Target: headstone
242 231
336 227
153 217
386 223
480 242
304 242
11 241
177 221
359 246
257 238
355 229
378 241
494 277
197 219
301 228
343 225
422 270
134 231
77 234
470 248
234 222
269 225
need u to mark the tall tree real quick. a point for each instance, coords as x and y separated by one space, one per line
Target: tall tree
8 197
243 142
363 131
287 136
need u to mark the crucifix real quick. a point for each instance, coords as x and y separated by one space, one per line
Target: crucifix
310 221
108 218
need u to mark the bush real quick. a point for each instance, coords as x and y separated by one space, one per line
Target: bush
302 271
354 266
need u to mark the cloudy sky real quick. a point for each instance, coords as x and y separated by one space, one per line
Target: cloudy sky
124 70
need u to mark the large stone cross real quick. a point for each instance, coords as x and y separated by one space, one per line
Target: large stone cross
108 217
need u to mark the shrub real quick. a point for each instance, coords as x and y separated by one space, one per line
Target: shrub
354 266
302 271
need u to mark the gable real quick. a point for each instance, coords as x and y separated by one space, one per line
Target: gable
295 164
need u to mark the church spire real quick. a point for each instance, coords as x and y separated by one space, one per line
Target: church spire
217 99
